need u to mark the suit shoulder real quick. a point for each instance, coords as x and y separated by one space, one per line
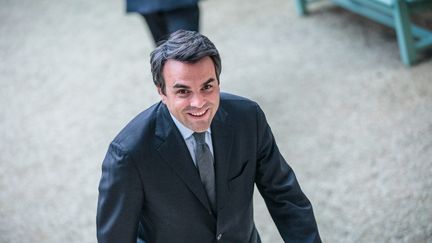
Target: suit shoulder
227 98
240 110
232 102
136 131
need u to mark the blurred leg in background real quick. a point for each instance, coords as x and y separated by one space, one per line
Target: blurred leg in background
164 17
163 23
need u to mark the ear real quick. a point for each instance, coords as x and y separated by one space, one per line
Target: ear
163 97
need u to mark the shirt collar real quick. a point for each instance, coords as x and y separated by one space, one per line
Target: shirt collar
185 132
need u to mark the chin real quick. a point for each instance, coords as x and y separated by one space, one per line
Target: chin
200 128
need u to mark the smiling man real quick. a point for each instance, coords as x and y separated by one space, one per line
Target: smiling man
184 170
191 92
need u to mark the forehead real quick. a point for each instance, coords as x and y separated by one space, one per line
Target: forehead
204 67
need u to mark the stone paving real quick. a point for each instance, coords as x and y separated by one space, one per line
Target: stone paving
353 122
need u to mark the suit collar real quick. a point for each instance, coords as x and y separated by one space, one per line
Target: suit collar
171 140
174 152
222 137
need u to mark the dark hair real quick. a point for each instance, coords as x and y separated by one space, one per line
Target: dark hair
184 46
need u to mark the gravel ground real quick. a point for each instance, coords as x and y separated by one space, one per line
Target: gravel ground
353 122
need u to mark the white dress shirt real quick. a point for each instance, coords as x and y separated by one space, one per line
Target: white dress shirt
189 138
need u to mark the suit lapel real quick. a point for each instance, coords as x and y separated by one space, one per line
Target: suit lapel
222 138
175 153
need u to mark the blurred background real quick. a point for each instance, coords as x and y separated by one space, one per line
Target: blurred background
353 122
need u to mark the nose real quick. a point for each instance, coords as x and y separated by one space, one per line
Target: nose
197 101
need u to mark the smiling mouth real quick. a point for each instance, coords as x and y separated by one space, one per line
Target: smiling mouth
198 114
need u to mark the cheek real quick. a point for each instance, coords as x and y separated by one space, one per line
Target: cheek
180 104
215 98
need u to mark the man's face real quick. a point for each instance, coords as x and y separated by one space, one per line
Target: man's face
191 92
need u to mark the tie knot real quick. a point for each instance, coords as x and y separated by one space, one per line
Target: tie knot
199 137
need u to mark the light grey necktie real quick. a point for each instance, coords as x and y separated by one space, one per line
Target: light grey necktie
204 162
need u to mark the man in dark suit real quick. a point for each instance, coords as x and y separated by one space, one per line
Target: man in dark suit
184 170
163 17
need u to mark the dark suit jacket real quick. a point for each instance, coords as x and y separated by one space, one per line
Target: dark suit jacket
149 178
151 6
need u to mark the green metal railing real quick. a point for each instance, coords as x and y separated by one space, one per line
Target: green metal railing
392 13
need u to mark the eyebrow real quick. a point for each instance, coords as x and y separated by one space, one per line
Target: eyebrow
209 81
182 86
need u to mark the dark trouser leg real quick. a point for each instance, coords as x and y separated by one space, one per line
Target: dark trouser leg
183 18
161 24
157 25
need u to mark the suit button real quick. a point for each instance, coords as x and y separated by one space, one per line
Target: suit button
219 236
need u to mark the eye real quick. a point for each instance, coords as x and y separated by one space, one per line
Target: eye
207 86
182 92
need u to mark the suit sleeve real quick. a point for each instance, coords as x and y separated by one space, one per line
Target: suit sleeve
120 198
289 207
